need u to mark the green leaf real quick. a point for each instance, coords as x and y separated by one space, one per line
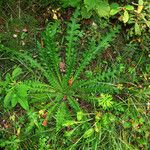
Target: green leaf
8 78
7 99
114 6
79 115
140 2
129 7
125 16
73 3
74 104
103 9
73 35
22 93
114 11
97 127
85 13
106 101
127 125
17 94
91 53
69 123
14 100
88 133
16 73
147 23
137 29
24 103
68 133
62 115
22 90
90 4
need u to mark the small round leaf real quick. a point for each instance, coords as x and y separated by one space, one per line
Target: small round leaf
88 133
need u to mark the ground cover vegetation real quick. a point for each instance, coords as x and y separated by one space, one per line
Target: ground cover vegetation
74 74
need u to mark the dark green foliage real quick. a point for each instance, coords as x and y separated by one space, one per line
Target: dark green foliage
66 85
62 115
49 55
80 88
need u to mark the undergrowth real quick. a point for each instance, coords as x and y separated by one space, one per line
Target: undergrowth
75 93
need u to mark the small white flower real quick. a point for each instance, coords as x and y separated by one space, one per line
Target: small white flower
15 35
94 25
148 104
25 30
23 43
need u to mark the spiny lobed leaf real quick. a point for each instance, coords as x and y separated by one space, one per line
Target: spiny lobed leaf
67 84
72 38
49 52
94 49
